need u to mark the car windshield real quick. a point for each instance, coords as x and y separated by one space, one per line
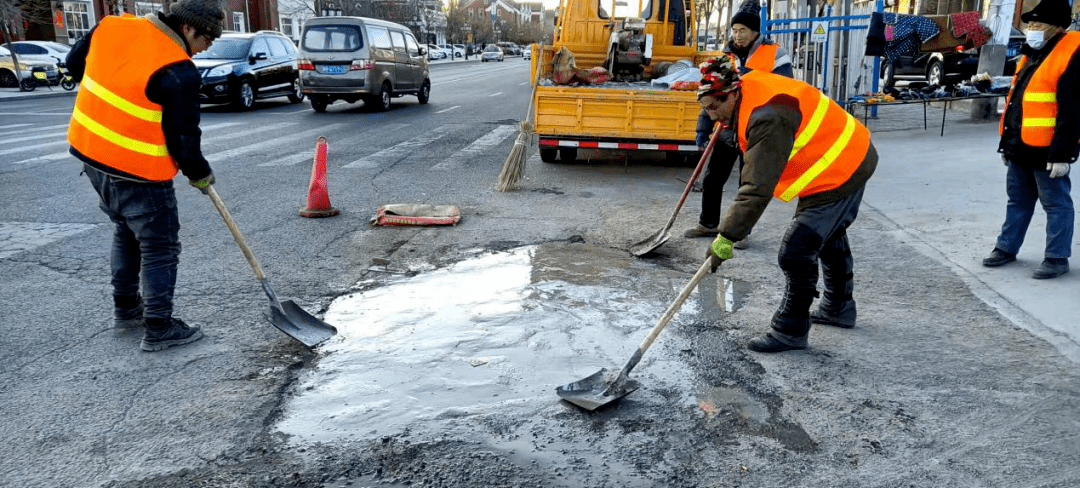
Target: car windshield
492 49
226 49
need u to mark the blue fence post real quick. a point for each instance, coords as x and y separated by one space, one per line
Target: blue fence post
879 7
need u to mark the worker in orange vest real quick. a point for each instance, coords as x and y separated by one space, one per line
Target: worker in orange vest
1040 131
796 142
134 126
752 51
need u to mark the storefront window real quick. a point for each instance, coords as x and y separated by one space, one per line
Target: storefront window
77 20
144 8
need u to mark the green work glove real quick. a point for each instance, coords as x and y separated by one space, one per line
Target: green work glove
721 247
203 184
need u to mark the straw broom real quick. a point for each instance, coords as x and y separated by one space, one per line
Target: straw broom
514 166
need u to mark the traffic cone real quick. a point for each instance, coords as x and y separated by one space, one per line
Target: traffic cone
318 202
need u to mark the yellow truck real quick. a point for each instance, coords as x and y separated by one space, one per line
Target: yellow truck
634 40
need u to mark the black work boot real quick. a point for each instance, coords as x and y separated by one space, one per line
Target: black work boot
127 312
788 333
842 316
997 258
1051 268
166 333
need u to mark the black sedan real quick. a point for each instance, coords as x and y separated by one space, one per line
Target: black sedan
240 68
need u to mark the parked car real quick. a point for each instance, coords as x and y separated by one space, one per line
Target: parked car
436 52
359 58
41 49
451 50
459 48
938 68
8 78
240 68
509 48
526 52
491 53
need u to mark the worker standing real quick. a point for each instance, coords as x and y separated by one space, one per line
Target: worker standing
796 142
1039 138
135 124
752 51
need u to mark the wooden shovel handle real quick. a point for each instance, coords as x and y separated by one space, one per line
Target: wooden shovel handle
236 233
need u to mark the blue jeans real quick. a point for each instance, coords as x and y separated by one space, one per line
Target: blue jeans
1025 186
146 240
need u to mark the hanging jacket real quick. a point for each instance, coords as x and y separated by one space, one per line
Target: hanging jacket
1040 122
137 113
796 142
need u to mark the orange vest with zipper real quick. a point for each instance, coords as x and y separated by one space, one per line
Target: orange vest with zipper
829 143
1039 106
763 58
113 122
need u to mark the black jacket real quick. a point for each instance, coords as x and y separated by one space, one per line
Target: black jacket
176 88
1063 147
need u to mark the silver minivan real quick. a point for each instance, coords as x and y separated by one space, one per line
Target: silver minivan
358 58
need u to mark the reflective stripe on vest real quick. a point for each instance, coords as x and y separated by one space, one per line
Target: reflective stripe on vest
113 122
1039 106
829 143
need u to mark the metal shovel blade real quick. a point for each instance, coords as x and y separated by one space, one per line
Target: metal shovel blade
598 389
649 245
298 324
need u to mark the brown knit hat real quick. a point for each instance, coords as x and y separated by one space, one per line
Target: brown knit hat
204 15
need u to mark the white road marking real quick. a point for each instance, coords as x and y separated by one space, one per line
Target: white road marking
495 94
394 153
282 142
484 143
448 109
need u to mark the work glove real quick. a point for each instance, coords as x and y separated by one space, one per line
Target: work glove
1057 170
203 184
721 249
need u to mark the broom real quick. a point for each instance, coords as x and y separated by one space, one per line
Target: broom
514 166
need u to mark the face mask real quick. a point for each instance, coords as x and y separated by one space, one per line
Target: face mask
1035 38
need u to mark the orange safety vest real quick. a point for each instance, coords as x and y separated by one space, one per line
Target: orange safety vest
113 122
829 144
763 58
1039 105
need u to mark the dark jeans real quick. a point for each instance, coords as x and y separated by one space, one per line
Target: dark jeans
712 182
146 240
1025 186
816 234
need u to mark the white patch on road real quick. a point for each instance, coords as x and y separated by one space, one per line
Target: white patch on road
394 153
448 109
458 159
495 94
16 237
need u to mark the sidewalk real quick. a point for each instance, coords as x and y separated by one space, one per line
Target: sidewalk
947 199
7 94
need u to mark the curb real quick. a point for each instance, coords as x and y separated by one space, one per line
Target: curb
13 94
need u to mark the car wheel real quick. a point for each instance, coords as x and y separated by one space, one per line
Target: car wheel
319 104
381 100
568 154
244 98
548 155
8 79
297 94
935 74
425 92
888 75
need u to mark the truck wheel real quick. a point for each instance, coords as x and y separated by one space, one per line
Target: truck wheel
548 155
567 154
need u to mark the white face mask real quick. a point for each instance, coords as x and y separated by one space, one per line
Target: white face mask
1035 38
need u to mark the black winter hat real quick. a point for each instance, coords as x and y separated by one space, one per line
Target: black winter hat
204 15
1050 12
749 14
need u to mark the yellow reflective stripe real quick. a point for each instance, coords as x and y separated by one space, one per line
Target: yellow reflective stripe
118 139
812 127
120 102
1050 97
1039 122
822 164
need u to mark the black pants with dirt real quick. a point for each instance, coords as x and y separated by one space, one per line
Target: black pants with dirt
817 234
712 182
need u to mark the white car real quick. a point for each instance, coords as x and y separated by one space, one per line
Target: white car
46 50
491 53
526 52
7 69
435 52
451 50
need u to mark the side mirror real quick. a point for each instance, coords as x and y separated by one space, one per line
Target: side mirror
423 51
256 57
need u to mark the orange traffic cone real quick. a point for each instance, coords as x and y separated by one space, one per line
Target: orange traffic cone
318 202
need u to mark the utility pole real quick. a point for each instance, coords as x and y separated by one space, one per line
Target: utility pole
999 18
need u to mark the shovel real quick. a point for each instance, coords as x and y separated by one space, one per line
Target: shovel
287 316
605 386
660 237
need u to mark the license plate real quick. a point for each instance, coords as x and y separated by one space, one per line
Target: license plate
39 75
334 69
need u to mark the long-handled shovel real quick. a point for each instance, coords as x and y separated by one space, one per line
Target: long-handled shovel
660 237
287 316
604 387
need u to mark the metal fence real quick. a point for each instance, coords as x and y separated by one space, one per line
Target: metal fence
827 51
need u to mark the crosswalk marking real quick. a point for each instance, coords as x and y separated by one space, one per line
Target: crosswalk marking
34 147
281 142
35 129
448 109
394 153
35 137
12 126
244 134
44 159
478 147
